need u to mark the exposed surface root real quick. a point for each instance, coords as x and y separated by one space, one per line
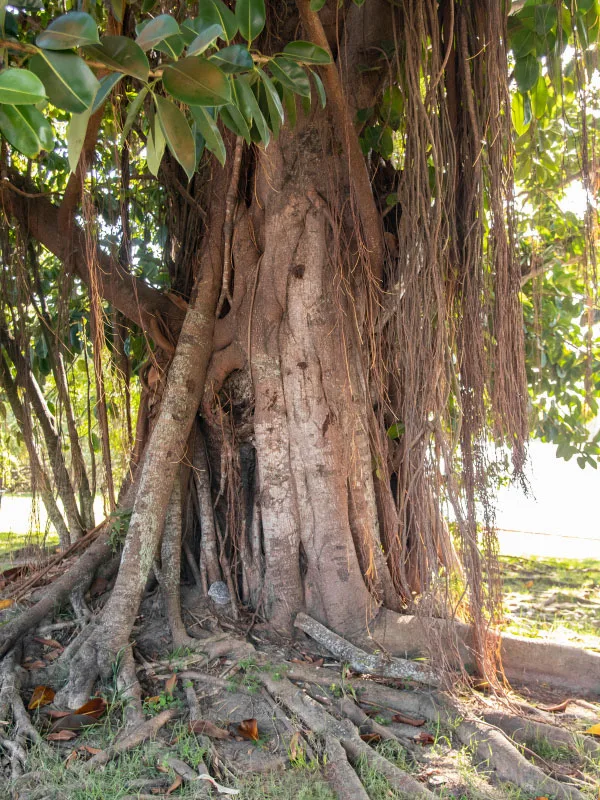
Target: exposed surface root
147 730
527 731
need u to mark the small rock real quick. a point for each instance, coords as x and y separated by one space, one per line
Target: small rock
219 593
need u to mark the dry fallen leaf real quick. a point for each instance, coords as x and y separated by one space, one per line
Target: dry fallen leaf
71 757
208 728
171 684
424 738
42 696
175 785
93 708
370 738
295 746
557 708
248 728
73 722
61 736
416 723
220 789
54 713
542 797
594 730
93 751
6 604
48 642
529 585
34 665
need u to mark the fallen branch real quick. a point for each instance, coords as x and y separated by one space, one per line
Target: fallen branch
147 730
362 662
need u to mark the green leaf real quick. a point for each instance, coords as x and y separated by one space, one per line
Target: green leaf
290 75
122 54
204 39
157 29
197 81
172 46
251 17
178 134
317 5
76 136
235 58
233 119
289 102
250 108
107 84
396 430
155 146
148 5
214 11
518 113
70 84
523 42
208 128
527 70
74 29
118 7
273 102
132 112
20 87
320 88
26 129
539 97
545 17
307 53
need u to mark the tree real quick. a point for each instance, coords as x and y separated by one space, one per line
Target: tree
337 333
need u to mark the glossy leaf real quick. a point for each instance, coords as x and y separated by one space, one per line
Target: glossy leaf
274 104
235 58
74 29
317 5
233 119
204 39
307 53
26 129
197 81
173 46
250 108
208 128
320 88
248 728
290 75
132 112
121 53
157 29
178 134
20 87
155 147
215 12
107 84
69 82
251 17
75 137
527 70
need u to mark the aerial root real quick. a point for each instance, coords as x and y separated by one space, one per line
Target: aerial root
14 743
339 774
346 736
147 730
525 731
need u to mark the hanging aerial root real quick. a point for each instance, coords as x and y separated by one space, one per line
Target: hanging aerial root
362 662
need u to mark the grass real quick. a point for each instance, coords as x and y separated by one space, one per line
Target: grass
557 599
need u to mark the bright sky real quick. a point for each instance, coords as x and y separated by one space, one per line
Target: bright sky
565 503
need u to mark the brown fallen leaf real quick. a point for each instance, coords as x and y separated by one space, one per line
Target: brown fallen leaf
98 587
541 797
318 662
529 585
171 684
6 604
416 723
175 785
295 746
208 728
61 736
370 738
42 696
248 728
54 713
73 722
154 699
71 757
93 751
93 708
557 708
34 665
48 642
424 738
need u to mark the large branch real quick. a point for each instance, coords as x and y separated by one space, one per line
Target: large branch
139 302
